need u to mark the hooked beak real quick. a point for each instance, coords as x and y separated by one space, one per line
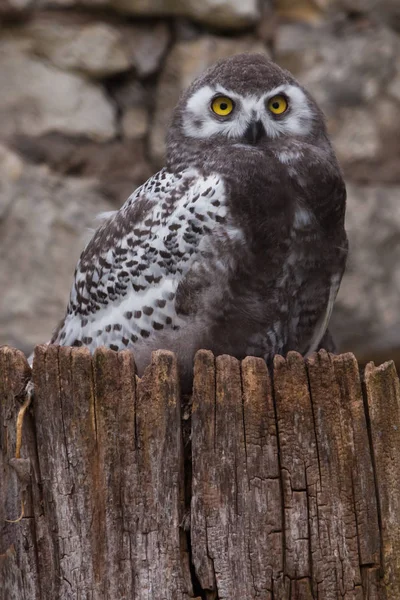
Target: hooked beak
254 132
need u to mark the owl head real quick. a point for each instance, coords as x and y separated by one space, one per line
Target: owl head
247 102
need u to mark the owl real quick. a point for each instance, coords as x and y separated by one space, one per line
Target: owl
237 245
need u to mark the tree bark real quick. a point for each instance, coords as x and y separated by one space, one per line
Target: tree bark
286 488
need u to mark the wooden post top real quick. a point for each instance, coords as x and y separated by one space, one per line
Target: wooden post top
265 485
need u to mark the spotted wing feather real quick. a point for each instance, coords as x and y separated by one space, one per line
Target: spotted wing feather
127 277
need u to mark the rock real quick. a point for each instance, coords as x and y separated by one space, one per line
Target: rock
74 43
230 14
268 22
146 46
131 92
233 14
134 101
386 11
11 168
306 11
343 67
319 11
366 318
351 71
43 221
39 98
185 62
389 12
356 136
186 30
135 122
394 86
11 165
356 6
119 166
16 8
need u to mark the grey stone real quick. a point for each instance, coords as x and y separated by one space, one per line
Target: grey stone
319 11
131 92
387 11
394 86
218 13
366 318
16 8
119 166
305 11
146 46
43 226
185 62
39 98
134 101
71 42
75 41
344 67
351 72
135 122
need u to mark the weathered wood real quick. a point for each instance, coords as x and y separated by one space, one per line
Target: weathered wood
292 482
18 486
383 395
236 507
337 568
111 464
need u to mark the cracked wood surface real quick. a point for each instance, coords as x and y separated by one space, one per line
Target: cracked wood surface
292 479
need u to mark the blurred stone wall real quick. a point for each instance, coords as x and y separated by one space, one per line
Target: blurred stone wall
86 91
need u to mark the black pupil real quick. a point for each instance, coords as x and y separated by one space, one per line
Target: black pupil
223 106
276 105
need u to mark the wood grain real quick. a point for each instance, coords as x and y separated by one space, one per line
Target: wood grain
383 401
236 507
288 488
18 485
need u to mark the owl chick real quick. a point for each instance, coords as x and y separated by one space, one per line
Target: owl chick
237 245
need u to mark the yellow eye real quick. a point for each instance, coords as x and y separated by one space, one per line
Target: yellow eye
222 106
277 105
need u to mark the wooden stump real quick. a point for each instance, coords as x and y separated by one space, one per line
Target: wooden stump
287 488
